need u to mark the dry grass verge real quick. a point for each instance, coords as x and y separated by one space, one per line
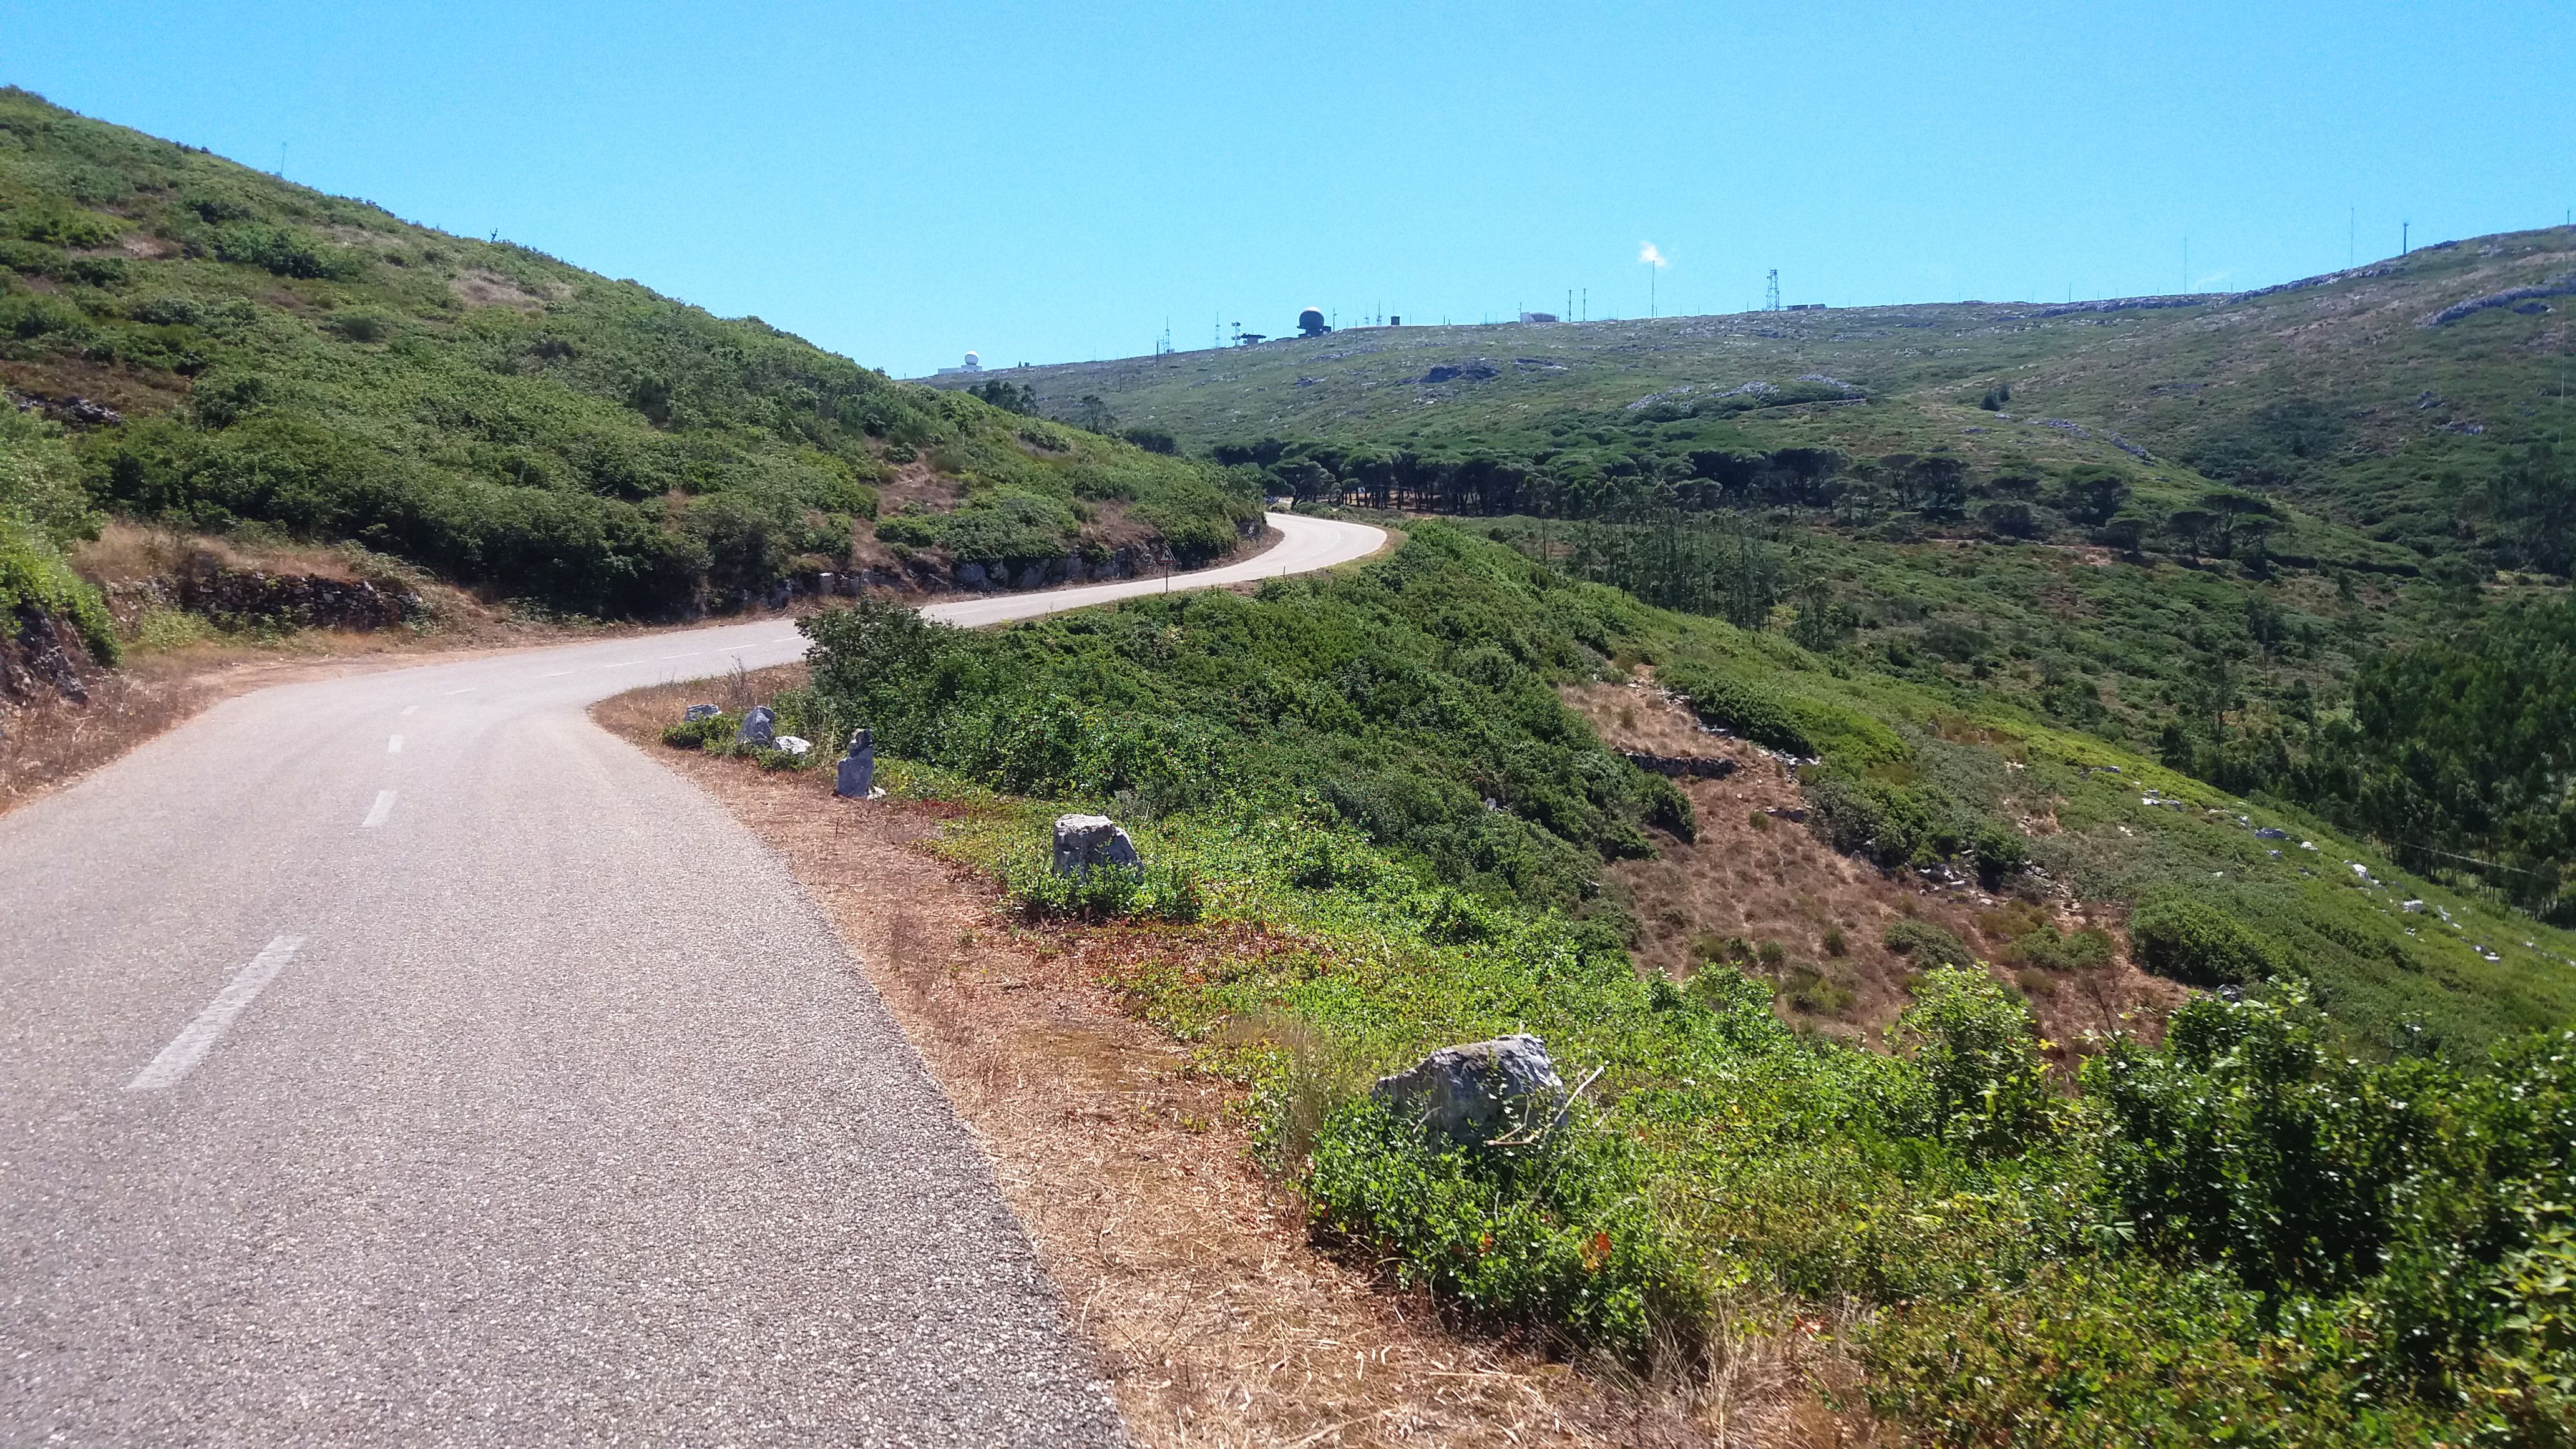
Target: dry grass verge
1217 1321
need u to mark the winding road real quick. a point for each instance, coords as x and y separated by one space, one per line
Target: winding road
400 1059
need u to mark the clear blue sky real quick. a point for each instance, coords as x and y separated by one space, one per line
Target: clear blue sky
904 181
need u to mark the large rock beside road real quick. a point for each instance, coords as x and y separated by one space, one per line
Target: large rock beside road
1469 1095
1083 841
759 727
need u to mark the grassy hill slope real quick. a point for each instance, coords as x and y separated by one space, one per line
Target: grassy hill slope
2369 398
1370 828
226 349
2198 526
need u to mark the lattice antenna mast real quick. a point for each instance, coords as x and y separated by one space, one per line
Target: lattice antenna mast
1771 292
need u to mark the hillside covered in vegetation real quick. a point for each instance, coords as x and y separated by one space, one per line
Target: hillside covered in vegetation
217 349
2320 1206
2246 533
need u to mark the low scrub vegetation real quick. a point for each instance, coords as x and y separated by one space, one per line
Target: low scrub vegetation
2324 1209
271 356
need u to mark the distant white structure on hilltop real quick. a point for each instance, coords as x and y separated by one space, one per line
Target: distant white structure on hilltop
1539 317
973 364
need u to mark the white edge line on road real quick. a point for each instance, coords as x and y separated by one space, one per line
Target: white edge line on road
199 1036
377 812
394 746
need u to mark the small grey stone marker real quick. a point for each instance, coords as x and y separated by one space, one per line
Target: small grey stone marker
758 727
857 775
698 712
1083 841
1470 1095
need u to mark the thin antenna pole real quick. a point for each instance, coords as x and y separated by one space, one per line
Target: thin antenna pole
2351 235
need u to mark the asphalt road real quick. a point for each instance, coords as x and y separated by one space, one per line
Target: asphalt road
402 1059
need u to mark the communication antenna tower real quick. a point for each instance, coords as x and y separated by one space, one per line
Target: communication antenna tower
1771 292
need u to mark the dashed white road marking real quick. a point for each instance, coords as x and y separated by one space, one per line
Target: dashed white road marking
469 689
692 654
558 674
199 1037
411 709
376 813
394 746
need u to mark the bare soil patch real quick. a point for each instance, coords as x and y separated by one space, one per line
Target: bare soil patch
1217 1320
1757 872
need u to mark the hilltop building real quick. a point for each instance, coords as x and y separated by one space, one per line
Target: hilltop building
972 364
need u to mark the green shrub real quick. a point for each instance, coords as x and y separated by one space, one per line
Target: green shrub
1739 705
1929 945
2086 950
1810 990
1891 823
284 251
2197 943
698 733
1998 851
1168 891
1563 1238
2109 1352
1978 1048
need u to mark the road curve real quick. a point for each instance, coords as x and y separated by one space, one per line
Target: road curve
401 1059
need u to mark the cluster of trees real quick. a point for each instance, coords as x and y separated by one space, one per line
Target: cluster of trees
2459 754
2229 523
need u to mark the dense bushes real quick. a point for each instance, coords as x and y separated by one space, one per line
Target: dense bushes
2192 941
1413 701
1739 706
1563 1234
41 510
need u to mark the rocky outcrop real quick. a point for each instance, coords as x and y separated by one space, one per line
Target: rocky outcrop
40 657
2561 287
1085 841
256 599
1477 1094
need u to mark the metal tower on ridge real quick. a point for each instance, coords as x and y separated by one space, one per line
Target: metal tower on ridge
1771 292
